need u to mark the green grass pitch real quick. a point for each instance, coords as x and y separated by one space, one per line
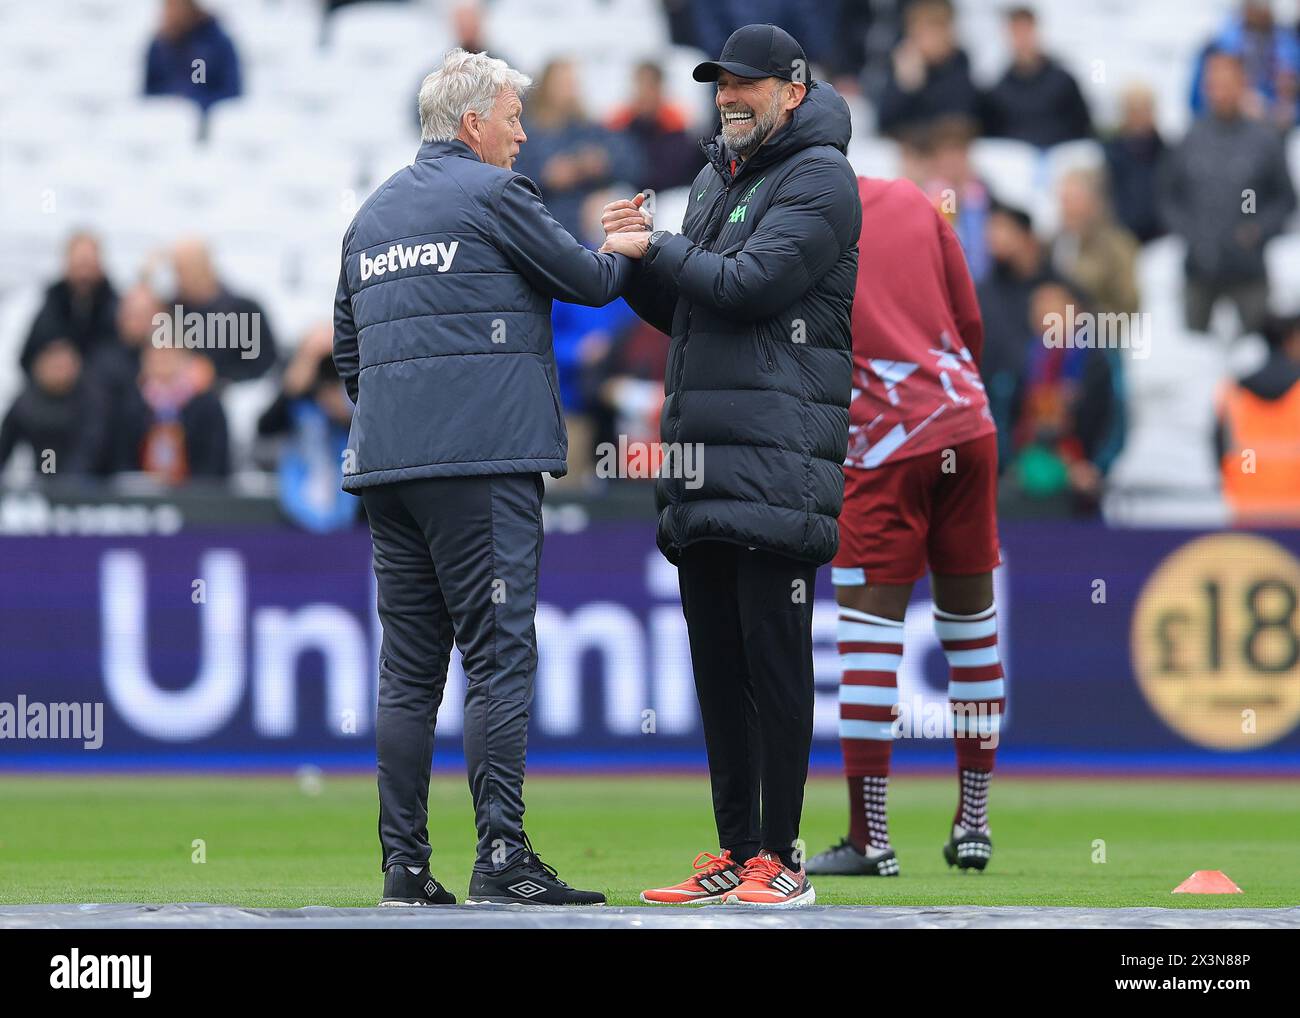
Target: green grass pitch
269 843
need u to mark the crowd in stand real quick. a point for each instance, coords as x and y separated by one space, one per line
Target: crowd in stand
103 397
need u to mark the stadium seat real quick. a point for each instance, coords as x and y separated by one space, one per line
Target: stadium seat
1084 154
874 157
376 35
1293 156
284 23
323 189
382 163
532 32
18 307
670 208
28 135
1282 256
1160 270
696 99
244 403
141 131
256 129
1011 169
250 262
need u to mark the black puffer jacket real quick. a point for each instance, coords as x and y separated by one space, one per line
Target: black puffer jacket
756 294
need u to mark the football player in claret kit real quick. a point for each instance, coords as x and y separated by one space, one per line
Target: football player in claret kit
920 493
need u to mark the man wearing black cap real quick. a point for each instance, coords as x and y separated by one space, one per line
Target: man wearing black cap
756 293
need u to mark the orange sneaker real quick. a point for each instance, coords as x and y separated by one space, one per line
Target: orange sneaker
716 877
768 883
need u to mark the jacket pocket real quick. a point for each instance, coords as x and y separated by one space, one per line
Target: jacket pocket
561 429
550 387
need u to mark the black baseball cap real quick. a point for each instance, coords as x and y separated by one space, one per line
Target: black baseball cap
757 51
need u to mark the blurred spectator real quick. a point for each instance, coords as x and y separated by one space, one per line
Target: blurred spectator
333 5
1258 437
950 181
469 33
313 414
57 414
467 26
680 19
628 386
78 308
1227 191
568 155
661 129
813 24
115 366
1133 156
929 74
1037 100
191 56
1018 265
200 291
865 34
1270 56
1091 248
174 427
1066 427
582 337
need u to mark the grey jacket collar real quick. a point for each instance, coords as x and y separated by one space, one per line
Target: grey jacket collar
442 149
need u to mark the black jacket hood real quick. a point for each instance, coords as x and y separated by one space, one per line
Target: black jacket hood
1275 379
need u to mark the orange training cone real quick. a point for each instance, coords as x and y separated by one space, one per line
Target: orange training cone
1207 882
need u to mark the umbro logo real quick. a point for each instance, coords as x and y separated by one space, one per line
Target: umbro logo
429 888
408 256
526 889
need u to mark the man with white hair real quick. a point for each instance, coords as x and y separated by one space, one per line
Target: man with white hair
442 336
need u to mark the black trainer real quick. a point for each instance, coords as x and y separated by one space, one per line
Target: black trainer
529 881
844 860
404 888
968 850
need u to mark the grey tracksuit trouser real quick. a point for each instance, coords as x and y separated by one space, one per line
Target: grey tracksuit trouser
455 558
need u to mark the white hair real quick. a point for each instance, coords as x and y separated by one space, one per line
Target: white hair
464 82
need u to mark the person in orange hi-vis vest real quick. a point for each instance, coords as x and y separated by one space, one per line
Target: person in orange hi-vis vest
1259 433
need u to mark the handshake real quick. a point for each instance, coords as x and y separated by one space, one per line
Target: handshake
627 227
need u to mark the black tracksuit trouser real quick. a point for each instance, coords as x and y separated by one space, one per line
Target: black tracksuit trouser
749 618
455 558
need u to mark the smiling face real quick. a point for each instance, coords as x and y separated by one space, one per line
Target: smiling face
752 108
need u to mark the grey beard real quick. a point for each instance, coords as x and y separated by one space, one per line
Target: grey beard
763 125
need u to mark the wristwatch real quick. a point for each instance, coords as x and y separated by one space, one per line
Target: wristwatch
656 237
